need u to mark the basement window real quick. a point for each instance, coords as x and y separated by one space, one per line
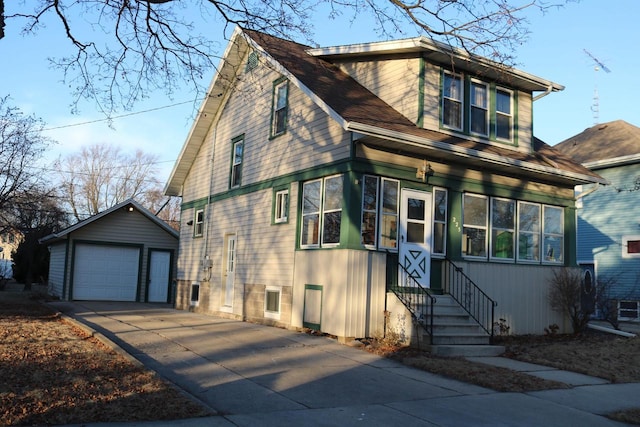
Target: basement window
272 296
195 294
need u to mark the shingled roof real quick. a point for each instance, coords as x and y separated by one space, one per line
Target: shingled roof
612 140
357 106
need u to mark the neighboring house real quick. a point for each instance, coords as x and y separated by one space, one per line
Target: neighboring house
9 241
609 216
321 186
122 254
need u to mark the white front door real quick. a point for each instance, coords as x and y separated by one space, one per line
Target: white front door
415 238
230 267
159 266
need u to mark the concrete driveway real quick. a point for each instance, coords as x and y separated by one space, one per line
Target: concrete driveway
258 375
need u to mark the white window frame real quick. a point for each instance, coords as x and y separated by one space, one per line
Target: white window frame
465 225
281 212
194 302
536 233
509 115
236 162
198 223
373 212
625 246
441 222
493 228
552 258
389 214
280 104
317 213
331 210
620 310
275 315
473 105
457 100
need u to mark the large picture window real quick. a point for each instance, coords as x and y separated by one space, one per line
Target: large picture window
321 212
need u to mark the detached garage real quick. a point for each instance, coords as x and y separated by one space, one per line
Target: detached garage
122 254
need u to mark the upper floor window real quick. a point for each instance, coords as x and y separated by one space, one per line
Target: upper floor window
198 226
280 107
479 120
236 161
504 114
452 95
321 212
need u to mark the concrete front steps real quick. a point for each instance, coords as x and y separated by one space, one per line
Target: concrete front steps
455 333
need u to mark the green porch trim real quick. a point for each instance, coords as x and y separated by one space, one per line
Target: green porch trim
103 243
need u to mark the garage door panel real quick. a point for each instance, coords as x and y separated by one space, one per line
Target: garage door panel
108 273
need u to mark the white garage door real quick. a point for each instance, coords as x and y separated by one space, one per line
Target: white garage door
105 273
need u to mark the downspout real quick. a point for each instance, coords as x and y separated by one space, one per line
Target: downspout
206 261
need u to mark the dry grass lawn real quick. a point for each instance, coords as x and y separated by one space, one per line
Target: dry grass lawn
54 373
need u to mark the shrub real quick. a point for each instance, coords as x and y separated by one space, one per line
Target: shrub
564 297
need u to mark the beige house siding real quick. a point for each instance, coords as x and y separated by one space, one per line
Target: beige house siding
353 286
395 81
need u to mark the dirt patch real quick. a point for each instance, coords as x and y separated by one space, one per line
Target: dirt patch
54 373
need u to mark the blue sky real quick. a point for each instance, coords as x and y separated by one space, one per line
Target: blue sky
610 31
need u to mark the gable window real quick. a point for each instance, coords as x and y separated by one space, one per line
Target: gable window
452 101
474 235
553 234
440 197
280 107
198 226
236 161
504 114
321 212
281 208
503 225
631 247
479 117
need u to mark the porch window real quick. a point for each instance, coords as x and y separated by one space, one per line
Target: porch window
503 225
452 96
236 161
440 199
379 212
369 211
322 212
553 236
504 114
280 107
479 117
528 232
198 225
281 208
474 235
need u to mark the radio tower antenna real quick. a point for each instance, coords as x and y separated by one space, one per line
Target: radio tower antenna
595 107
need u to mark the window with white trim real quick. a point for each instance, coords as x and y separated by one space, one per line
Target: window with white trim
272 296
503 227
631 246
379 212
553 234
321 212
479 106
452 98
440 200
194 299
236 161
504 114
280 107
474 218
198 221
281 208
629 310
529 227
369 223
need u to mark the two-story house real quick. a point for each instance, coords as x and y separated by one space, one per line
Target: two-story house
341 188
608 216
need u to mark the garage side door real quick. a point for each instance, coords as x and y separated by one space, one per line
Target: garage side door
105 273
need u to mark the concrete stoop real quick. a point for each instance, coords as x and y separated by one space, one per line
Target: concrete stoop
466 350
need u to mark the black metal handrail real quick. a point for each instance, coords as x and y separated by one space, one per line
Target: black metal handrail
414 296
473 299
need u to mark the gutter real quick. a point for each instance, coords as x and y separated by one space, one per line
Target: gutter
545 93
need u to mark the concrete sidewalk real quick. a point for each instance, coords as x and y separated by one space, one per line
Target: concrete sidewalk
257 375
